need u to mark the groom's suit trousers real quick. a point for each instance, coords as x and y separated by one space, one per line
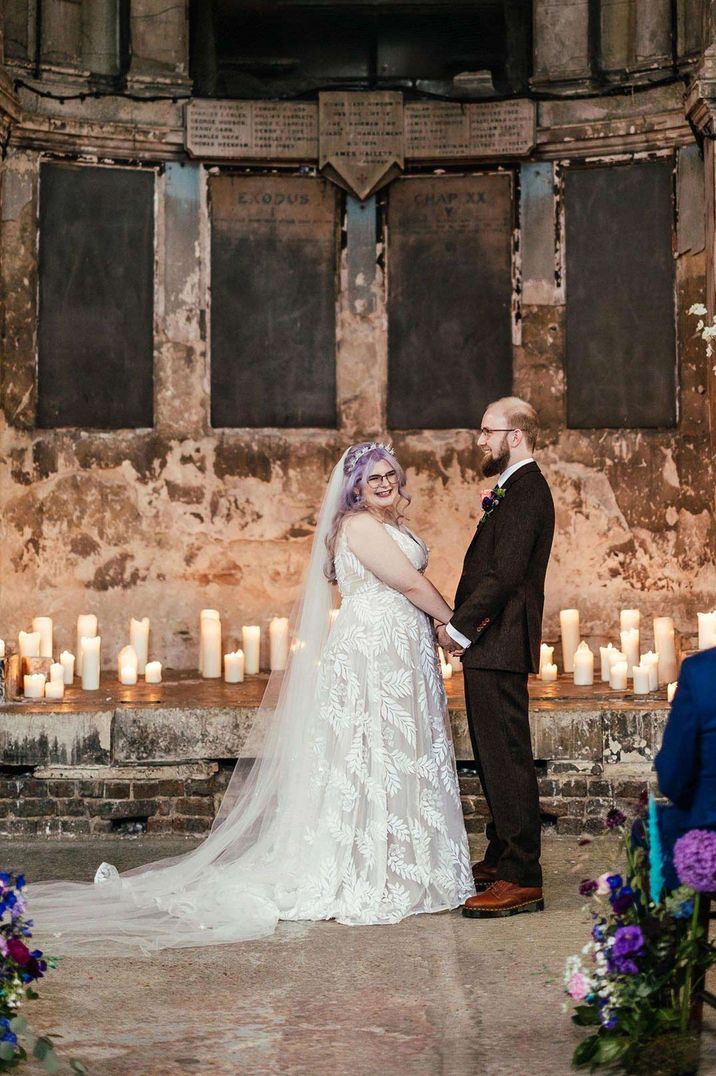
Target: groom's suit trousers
498 719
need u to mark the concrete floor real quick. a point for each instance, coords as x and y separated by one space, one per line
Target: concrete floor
433 995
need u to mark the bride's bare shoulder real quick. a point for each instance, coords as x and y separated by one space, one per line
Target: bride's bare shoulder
360 525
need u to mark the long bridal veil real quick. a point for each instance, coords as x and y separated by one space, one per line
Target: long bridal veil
235 884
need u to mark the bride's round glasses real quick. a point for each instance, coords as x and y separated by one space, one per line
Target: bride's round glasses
376 480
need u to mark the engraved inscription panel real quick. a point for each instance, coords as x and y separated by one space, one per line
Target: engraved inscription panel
361 139
252 130
437 130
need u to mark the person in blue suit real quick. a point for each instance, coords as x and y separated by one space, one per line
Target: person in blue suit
686 763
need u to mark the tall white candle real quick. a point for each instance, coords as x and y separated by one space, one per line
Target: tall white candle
641 679
618 677
251 635
671 691
28 644
707 630
55 689
234 667
139 639
205 614
43 625
665 646
33 685
569 623
2 648
545 657
650 661
605 653
210 648
629 618
153 672
90 650
630 647
67 661
127 665
549 672
278 640
87 629
57 673
583 665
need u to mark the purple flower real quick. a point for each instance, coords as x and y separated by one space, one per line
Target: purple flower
623 901
624 965
627 940
695 859
615 819
587 887
19 952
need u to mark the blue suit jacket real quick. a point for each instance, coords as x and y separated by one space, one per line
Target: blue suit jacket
686 763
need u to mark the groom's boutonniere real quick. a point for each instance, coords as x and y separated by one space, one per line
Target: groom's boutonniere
491 498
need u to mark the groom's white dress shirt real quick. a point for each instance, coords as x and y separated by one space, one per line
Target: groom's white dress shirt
452 632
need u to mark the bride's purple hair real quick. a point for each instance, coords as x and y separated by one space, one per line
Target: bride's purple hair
356 468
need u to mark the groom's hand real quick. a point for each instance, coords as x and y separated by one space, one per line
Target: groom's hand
447 642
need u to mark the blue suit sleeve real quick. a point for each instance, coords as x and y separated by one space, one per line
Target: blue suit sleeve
677 761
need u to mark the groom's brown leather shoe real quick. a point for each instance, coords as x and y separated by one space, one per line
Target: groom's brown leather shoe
504 898
484 875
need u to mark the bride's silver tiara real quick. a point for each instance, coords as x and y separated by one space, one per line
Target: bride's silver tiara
352 458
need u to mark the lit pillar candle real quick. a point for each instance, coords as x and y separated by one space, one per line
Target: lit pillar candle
605 653
139 639
43 625
545 657
278 639
641 680
28 644
549 672
153 672
456 662
251 635
707 630
569 623
33 685
650 661
205 614
665 646
629 618
127 665
445 666
630 647
618 676
234 667
86 629
67 661
210 648
57 673
90 650
671 691
583 666
55 689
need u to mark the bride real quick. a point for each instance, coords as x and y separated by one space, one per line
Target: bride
351 810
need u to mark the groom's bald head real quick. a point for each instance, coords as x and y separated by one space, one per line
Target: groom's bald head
519 415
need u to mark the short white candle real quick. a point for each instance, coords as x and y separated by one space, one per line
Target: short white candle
445 666
545 657
205 614
618 676
629 618
605 653
641 679
57 673
665 646
707 630
127 665
630 647
33 685
549 672
139 639
251 635
671 691
90 650
2 648
456 663
153 672
55 689
234 667
67 661
28 644
650 661
210 660
87 629
43 625
278 643
569 624
583 666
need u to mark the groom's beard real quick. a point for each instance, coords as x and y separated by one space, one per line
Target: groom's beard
496 464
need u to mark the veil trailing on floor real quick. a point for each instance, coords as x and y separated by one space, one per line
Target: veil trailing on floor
235 885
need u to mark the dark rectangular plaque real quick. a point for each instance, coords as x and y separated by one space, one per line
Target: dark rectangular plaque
96 269
621 344
274 248
449 299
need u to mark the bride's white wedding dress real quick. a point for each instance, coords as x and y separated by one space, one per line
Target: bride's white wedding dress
351 811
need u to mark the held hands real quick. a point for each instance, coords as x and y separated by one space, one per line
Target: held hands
449 645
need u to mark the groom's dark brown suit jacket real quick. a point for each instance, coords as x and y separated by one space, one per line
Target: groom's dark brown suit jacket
500 596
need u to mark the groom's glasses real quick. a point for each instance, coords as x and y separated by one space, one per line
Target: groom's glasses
487 432
376 480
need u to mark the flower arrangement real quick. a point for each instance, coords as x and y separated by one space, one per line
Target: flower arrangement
633 980
20 967
490 498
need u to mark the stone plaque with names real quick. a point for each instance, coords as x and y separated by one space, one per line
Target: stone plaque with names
361 139
252 130
437 131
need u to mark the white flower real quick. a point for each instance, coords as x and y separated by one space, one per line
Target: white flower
697 308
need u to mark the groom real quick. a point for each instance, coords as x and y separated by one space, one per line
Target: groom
498 620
